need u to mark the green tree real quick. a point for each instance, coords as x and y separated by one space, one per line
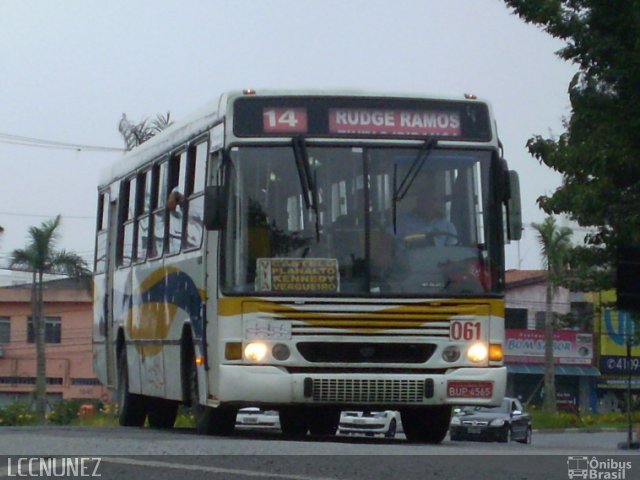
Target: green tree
136 134
598 153
555 245
40 256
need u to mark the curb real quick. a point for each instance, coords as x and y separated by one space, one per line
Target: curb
578 430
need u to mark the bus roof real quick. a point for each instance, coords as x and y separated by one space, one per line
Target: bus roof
179 132
214 112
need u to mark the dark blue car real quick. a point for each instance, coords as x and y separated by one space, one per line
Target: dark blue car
503 423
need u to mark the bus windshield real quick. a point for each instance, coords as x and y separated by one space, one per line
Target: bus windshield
372 224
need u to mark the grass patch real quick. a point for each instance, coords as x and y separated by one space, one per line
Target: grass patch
542 420
106 415
18 414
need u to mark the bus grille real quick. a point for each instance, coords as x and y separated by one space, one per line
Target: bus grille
368 391
356 352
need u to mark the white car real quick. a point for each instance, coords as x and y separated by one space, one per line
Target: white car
253 417
386 422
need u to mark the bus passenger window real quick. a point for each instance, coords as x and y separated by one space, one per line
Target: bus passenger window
175 204
143 207
197 163
159 196
127 214
102 227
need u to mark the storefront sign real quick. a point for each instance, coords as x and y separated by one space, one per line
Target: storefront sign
611 364
615 328
619 383
528 346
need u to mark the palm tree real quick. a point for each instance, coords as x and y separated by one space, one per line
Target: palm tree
136 134
555 243
39 257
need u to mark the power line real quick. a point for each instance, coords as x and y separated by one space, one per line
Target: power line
37 215
53 144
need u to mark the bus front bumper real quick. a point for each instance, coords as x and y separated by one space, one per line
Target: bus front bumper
252 385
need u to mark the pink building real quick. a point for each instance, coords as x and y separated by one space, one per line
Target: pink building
574 345
525 297
68 329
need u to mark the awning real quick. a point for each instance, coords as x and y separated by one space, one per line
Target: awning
573 370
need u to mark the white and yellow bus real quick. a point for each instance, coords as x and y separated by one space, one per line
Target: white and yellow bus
256 254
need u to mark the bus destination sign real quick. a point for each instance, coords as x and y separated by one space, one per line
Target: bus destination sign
394 122
361 117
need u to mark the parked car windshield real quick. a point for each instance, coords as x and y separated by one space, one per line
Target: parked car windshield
502 408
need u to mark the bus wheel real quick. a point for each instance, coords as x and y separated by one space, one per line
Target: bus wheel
132 408
293 421
208 420
427 424
162 413
323 421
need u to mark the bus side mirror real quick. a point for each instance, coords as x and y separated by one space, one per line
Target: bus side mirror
215 208
514 209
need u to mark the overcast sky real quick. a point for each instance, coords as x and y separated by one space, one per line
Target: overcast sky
70 68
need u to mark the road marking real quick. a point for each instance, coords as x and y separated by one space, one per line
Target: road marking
203 468
4 472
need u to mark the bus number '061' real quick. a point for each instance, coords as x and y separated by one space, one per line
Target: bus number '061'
465 330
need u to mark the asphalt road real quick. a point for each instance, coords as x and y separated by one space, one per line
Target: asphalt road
125 453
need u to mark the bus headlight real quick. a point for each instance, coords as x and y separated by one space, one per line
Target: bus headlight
477 352
255 351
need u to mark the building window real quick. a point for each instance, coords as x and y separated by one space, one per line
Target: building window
28 380
85 381
5 330
541 320
515 318
52 330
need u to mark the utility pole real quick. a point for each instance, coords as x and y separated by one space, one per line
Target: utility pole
628 304
629 429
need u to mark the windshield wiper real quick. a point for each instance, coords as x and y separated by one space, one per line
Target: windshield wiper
399 192
307 183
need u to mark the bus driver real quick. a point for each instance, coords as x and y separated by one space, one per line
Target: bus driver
426 223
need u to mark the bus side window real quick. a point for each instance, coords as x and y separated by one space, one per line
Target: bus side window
102 232
159 196
143 207
177 177
127 217
196 170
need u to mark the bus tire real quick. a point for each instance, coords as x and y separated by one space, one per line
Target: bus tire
323 421
132 407
293 421
162 413
208 420
427 424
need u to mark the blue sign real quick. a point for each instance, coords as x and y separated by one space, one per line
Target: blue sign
617 365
